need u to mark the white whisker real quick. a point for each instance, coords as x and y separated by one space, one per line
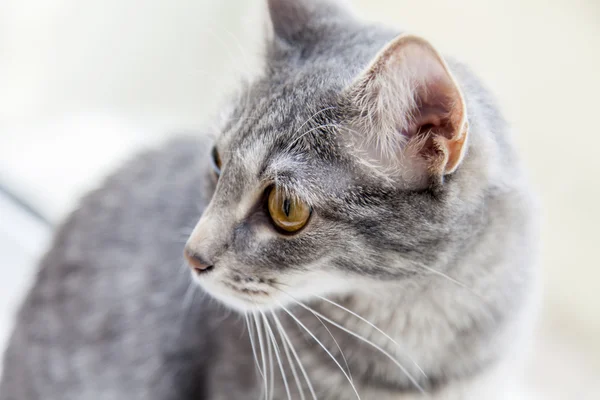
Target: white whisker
336 343
262 354
188 301
232 58
449 278
388 355
188 298
374 327
309 131
271 364
286 349
322 346
252 343
311 117
289 342
278 355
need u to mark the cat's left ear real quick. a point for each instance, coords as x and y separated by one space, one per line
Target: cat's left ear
409 114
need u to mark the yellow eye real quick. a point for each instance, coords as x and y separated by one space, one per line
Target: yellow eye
288 214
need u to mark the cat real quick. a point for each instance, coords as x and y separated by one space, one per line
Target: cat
363 229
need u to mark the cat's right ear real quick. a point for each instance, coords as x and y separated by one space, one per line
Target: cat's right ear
409 117
293 20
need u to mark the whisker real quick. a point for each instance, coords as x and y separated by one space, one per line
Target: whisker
183 269
289 342
278 355
309 131
226 315
262 353
246 60
232 58
188 299
332 337
374 327
336 343
449 278
289 358
252 343
313 116
322 346
271 366
388 355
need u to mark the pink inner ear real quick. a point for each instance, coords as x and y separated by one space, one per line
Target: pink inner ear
410 109
425 120
434 129
436 101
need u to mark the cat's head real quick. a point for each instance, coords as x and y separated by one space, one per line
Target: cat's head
335 167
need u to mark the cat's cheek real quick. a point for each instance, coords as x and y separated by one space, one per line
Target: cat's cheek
318 280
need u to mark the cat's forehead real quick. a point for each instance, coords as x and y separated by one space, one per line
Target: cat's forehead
283 132
277 113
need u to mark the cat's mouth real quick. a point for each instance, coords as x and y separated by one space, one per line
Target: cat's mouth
244 293
251 292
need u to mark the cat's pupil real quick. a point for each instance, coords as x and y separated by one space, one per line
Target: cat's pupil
286 207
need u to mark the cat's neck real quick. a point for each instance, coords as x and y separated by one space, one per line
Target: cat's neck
400 337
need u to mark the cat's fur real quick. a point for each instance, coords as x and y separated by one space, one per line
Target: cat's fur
438 257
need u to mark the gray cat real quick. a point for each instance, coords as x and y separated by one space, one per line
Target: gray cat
364 231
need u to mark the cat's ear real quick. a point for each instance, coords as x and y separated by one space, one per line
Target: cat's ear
292 19
409 115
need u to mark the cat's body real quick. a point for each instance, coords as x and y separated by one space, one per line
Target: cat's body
450 281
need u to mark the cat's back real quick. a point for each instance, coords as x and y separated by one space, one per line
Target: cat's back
113 291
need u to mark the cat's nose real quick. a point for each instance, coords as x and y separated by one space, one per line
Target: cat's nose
198 263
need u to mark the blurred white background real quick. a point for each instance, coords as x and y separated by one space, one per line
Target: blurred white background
85 83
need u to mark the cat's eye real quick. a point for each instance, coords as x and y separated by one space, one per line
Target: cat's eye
215 161
289 214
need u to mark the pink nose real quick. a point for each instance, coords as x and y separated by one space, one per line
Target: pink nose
196 261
